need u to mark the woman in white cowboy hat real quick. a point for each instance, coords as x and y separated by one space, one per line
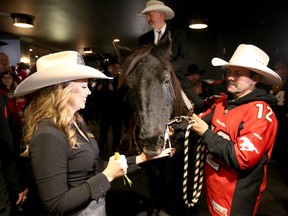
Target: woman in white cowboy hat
63 152
241 135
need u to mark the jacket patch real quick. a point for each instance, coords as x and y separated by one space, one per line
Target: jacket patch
247 145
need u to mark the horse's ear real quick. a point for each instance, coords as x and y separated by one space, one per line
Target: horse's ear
122 52
165 45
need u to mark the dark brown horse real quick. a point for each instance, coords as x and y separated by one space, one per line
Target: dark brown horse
153 91
155 95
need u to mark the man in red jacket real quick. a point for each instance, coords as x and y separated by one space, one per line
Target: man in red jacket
239 134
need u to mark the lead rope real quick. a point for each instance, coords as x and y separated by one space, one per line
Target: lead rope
198 162
198 168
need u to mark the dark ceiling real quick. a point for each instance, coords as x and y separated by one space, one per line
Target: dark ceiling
75 24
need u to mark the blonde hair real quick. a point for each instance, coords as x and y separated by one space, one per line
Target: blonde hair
51 103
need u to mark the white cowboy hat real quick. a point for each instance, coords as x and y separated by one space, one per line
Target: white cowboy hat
57 68
254 59
154 5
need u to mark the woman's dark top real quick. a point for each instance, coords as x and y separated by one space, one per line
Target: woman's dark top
66 179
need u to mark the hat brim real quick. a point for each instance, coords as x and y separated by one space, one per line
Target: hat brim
55 75
269 76
169 13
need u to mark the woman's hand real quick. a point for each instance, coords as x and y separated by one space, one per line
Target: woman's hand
199 126
116 167
166 152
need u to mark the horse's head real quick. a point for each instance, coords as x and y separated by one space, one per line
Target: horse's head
152 90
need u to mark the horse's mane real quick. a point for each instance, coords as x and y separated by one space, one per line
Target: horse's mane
131 61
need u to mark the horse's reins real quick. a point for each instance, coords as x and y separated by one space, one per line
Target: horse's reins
199 154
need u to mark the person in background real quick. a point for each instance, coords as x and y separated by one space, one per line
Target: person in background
67 171
118 106
238 133
157 13
200 87
15 104
111 112
208 91
22 70
4 62
7 87
7 83
13 188
280 150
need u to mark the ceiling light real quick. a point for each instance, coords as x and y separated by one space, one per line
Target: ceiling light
198 23
23 20
88 50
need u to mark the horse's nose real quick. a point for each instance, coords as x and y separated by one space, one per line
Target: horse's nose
152 146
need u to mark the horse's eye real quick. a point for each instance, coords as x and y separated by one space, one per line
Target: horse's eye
167 82
166 78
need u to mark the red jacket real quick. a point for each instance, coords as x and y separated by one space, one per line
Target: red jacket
238 151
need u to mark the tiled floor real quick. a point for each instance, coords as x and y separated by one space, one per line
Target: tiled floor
136 200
